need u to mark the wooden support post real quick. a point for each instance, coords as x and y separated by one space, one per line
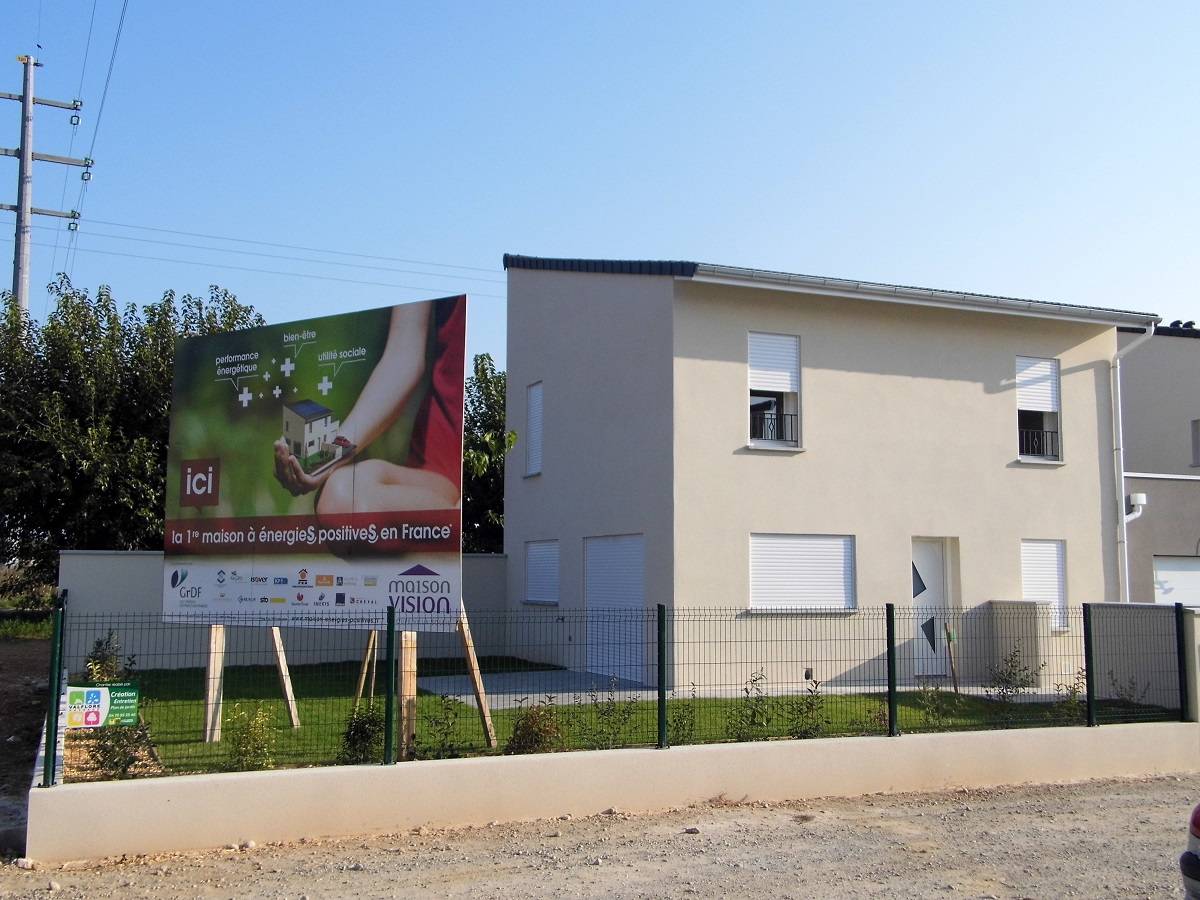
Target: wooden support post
214 684
408 694
367 661
285 678
950 653
485 714
374 664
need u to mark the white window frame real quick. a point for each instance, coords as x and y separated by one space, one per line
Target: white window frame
534 436
554 573
849 569
1058 608
1055 407
790 393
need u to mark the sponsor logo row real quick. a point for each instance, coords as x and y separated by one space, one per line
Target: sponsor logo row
302 578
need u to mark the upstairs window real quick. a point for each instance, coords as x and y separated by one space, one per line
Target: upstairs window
541 572
774 361
533 429
1038 408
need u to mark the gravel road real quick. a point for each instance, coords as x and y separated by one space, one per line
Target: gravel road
1101 839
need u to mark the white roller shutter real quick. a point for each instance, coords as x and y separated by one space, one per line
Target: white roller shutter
801 571
774 362
615 595
1037 384
541 572
533 429
1044 577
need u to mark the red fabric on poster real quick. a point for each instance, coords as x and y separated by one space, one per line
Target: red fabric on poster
436 443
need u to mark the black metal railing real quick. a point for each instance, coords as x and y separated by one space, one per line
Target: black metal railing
765 426
1036 442
574 679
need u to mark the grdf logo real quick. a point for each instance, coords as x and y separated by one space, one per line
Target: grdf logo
178 577
200 482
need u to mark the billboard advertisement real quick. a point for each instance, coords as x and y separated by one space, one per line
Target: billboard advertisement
315 470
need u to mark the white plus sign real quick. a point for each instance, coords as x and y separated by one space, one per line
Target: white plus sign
288 367
266 376
325 386
245 396
276 392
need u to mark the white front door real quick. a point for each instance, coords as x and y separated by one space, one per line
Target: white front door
615 595
929 602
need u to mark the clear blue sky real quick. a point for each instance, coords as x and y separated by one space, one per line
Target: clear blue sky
1029 149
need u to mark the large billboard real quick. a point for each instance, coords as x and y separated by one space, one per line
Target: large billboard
315 470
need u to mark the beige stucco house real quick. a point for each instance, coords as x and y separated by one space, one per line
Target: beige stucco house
793 448
1160 405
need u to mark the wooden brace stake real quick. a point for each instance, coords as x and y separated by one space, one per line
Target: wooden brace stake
408 693
485 714
285 678
214 684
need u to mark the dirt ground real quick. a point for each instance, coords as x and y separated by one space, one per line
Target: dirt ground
23 668
1102 839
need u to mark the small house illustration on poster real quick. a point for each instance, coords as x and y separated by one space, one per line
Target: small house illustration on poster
311 434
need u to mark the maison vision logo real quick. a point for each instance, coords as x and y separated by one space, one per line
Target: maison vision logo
419 590
200 482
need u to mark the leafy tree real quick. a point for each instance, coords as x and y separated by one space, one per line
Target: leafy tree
485 442
84 417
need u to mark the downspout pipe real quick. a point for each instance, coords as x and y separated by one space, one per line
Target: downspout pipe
1122 520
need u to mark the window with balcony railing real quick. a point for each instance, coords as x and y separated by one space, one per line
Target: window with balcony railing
1038 404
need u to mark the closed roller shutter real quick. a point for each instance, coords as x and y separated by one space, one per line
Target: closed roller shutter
774 362
801 571
1037 384
533 429
541 572
1043 577
1177 580
615 594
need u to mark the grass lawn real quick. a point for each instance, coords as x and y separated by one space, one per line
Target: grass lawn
172 704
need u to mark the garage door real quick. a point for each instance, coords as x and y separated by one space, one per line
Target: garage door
1177 580
615 595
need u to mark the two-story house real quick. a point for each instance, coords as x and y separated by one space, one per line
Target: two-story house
710 436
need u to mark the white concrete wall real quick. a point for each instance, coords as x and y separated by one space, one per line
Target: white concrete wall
199 811
601 346
123 591
909 428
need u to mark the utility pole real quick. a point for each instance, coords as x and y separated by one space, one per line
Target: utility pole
24 207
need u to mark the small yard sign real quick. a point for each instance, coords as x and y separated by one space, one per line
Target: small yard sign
97 705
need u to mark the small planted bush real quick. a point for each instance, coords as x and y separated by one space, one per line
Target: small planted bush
104 662
681 720
116 749
749 717
805 715
439 737
1011 680
610 717
362 741
937 708
1070 700
250 738
536 728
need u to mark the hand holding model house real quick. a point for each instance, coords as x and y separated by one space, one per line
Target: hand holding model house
316 452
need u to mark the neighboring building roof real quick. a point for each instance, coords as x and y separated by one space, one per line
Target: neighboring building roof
309 409
841 287
1172 330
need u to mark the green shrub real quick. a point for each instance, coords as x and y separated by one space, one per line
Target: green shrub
116 749
1070 701
872 720
936 706
536 728
609 718
250 738
438 739
1011 680
1128 691
103 663
362 741
805 715
681 720
749 717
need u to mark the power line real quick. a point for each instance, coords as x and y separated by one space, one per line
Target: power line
112 60
219 265
87 47
305 259
218 237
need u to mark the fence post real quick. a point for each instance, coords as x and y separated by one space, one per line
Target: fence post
1089 666
662 676
1181 661
893 710
389 706
50 759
